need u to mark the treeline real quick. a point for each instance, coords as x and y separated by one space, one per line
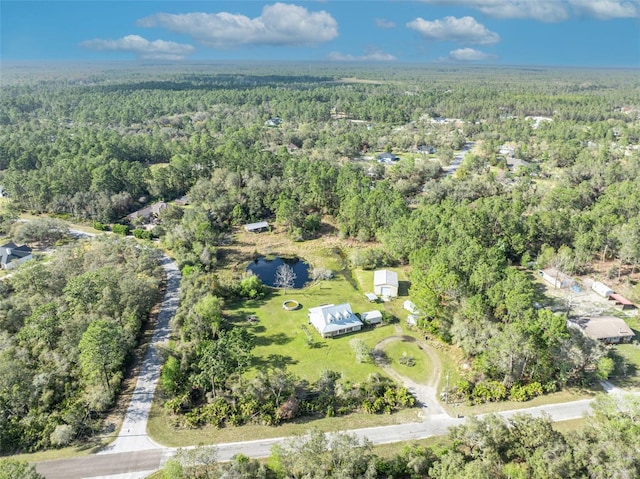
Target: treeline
68 326
519 447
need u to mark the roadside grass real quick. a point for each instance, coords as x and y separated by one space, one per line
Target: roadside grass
422 368
627 357
161 429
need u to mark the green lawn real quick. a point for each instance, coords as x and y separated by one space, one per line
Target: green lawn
281 339
417 373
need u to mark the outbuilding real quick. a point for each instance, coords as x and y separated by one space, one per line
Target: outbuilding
257 227
385 283
556 278
371 317
602 289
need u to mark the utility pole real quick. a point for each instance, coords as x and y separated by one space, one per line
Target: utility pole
446 390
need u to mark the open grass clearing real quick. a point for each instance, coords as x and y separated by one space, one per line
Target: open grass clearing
422 367
282 337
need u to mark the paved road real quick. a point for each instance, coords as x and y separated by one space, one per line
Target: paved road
138 465
133 433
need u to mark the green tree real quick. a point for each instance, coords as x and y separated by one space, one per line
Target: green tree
102 351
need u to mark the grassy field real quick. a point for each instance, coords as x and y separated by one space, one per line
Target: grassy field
419 371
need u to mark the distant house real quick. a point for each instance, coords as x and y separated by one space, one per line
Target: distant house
387 158
273 121
385 283
333 320
182 201
149 213
259 227
292 147
371 317
11 255
556 278
426 149
608 329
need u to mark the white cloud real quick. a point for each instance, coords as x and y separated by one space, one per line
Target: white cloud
372 54
145 49
463 30
279 24
549 10
545 10
607 9
383 23
468 54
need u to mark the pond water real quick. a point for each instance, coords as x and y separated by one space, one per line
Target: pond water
265 269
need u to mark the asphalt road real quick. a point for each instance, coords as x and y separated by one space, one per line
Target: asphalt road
139 464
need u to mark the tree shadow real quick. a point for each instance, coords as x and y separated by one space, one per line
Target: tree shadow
274 361
380 357
403 288
278 339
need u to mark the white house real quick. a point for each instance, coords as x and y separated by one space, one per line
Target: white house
385 283
11 255
334 320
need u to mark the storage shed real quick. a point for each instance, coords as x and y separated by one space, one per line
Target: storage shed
602 289
385 283
371 317
556 278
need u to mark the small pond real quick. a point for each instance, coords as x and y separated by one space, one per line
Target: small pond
265 269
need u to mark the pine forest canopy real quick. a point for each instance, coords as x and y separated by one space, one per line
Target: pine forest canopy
97 144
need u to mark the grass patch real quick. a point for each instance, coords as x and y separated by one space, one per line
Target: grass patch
422 368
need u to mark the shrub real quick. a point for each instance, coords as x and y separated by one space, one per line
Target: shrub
407 360
120 229
319 274
362 351
99 226
141 233
251 287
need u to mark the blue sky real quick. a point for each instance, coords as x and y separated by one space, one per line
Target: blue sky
593 33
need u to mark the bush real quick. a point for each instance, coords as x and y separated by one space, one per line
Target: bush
62 435
142 234
489 391
99 226
120 229
525 393
363 353
320 274
407 360
370 258
251 288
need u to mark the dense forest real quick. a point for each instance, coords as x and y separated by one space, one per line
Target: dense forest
67 329
95 146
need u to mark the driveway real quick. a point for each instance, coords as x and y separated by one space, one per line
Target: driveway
133 433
